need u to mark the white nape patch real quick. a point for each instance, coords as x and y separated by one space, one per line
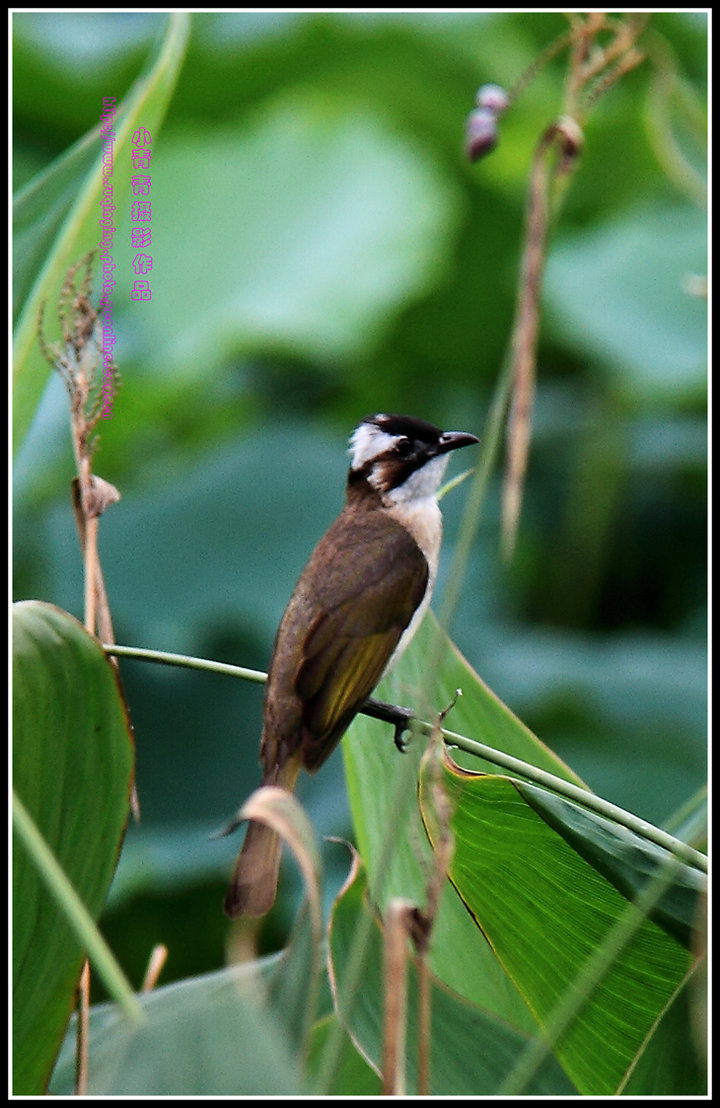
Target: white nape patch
421 484
368 442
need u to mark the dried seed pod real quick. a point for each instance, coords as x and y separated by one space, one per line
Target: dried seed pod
480 133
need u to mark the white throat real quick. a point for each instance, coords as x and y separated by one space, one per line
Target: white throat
422 517
420 485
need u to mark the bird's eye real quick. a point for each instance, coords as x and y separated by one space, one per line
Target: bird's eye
403 447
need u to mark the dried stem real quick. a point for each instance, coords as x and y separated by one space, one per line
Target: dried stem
398 921
565 138
592 69
76 359
405 922
158 958
83 1031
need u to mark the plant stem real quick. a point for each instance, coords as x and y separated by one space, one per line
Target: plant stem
579 795
508 762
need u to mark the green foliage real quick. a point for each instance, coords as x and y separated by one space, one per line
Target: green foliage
72 770
204 1036
321 249
545 882
546 913
655 350
471 1049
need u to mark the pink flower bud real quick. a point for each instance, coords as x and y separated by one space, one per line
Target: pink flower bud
492 97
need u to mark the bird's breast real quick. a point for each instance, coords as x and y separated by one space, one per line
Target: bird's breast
423 520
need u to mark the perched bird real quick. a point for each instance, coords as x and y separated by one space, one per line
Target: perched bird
355 607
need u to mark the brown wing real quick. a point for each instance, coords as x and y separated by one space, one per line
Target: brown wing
355 599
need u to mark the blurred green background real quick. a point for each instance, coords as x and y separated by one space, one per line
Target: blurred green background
322 249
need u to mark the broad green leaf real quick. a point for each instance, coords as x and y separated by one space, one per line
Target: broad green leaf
267 1006
72 766
382 792
675 1057
546 913
635 273
625 859
41 208
212 1035
471 1049
324 223
353 1076
58 216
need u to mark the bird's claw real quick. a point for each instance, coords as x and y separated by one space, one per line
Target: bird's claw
402 724
399 717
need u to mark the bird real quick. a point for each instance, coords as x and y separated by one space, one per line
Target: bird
355 608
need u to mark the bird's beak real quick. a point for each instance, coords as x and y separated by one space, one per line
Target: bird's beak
453 440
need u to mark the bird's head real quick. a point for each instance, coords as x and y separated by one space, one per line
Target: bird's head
403 458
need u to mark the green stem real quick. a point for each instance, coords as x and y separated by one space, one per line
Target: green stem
186 660
579 795
488 753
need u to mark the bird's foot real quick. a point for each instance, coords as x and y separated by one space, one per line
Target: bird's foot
399 717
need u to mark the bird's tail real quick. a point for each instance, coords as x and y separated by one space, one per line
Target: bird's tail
253 886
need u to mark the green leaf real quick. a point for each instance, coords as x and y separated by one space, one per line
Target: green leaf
352 1074
675 1056
41 208
471 1050
57 216
382 790
625 859
72 766
548 909
324 224
620 293
547 914
211 1035
267 1005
